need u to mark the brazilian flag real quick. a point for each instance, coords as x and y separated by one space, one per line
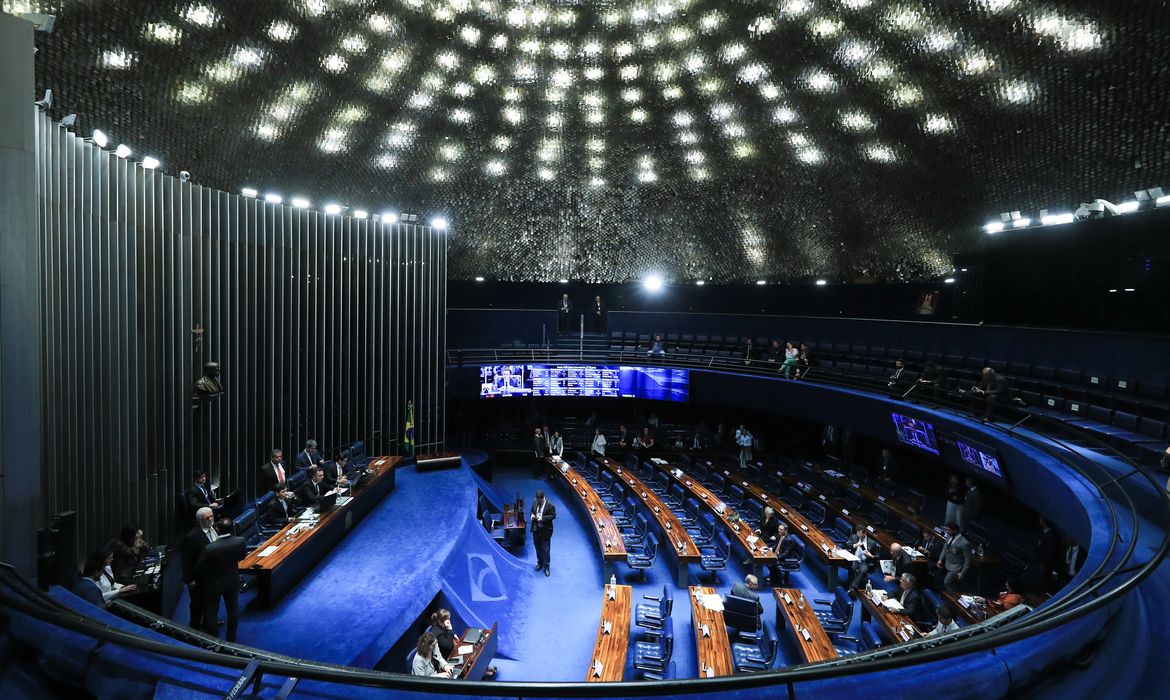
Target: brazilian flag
408 432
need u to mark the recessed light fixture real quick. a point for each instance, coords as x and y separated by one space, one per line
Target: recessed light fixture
653 283
821 283
361 214
478 279
389 217
439 223
700 283
761 282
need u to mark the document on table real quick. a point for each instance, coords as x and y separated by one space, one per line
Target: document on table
892 605
466 648
914 553
846 555
711 601
267 550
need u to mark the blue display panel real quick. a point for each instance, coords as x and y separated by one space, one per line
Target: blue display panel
656 383
978 456
915 432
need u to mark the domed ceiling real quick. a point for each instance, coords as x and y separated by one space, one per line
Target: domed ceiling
603 140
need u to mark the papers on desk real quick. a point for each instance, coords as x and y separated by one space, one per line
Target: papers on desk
914 553
846 555
892 605
267 550
804 633
705 630
307 516
342 500
598 667
834 473
607 627
966 600
711 601
465 649
752 539
887 566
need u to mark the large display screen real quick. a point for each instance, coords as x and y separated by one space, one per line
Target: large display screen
656 383
979 456
915 432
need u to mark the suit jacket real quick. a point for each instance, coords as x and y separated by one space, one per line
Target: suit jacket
956 555
191 547
198 498
786 547
266 481
279 511
545 523
304 461
769 528
216 570
309 493
933 548
88 590
556 445
911 601
539 446
871 546
330 468
565 306
973 506
740 590
903 564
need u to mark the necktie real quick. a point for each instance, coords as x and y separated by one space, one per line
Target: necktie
210 535
279 473
316 489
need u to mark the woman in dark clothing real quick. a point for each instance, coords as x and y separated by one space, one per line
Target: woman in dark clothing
444 634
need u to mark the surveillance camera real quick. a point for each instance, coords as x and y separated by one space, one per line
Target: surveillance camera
184 176
40 22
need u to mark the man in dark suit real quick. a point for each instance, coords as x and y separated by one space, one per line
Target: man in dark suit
866 550
190 548
539 455
281 510
87 587
903 564
598 315
911 597
543 514
217 577
887 465
199 494
309 457
335 472
769 531
272 473
747 589
565 314
312 491
972 508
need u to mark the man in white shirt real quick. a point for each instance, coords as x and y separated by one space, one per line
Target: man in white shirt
946 622
191 546
598 446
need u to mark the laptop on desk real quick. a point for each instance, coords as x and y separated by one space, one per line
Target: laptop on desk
327 503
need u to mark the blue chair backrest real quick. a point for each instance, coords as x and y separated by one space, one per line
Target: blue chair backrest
618 490
768 644
666 603
796 496
708 524
606 480
736 494
932 599
723 548
869 638
667 639
841 526
718 482
651 544
662 480
816 511
631 506
692 508
643 523
842 604
677 492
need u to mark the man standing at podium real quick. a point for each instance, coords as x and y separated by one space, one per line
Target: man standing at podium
543 515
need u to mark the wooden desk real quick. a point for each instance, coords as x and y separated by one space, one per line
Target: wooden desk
298 549
759 553
476 663
714 651
610 649
818 646
609 538
894 623
799 525
515 524
674 531
972 615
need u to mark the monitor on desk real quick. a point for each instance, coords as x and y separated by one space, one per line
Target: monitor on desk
327 503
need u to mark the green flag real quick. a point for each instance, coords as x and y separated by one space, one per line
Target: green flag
408 433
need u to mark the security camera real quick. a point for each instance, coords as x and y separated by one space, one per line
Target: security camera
40 22
184 176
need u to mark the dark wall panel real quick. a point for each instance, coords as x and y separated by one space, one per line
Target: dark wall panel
324 326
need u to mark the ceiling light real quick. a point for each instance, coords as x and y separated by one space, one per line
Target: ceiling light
361 214
700 282
1162 201
653 283
99 138
821 283
1054 219
300 203
122 151
1021 223
150 162
761 282
389 217
273 198
439 223
949 280
333 209
994 227
249 192
564 281
478 279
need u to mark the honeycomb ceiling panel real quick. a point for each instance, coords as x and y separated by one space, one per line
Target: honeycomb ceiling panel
727 140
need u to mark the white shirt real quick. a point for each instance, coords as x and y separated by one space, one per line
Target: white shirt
109 586
940 628
599 444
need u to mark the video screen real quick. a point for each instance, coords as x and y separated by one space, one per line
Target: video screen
655 383
979 456
915 432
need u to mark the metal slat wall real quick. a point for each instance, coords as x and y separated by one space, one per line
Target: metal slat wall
323 325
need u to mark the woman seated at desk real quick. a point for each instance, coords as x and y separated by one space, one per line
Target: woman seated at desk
129 550
427 659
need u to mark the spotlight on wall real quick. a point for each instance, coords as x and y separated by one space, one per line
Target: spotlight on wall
949 280
761 282
563 281
700 283
821 283
439 223
1021 223
100 139
389 217
184 176
122 151
249 192
300 203
1129 207
478 279
332 209
994 227
272 198
1055 219
653 283
68 120
150 162
361 214
1148 197
45 102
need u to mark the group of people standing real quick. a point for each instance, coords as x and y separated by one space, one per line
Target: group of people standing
566 319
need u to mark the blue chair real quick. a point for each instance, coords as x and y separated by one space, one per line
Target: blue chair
734 496
718 483
867 639
714 559
660 485
795 498
815 512
623 517
840 532
636 536
675 497
836 618
642 559
752 512
743 615
788 565
691 512
933 601
879 515
753 658
653 658
489 524
484 504
654 617
704 530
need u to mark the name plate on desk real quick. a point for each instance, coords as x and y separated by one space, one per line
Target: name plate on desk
869 528
705 630
612 593
607 627
882 499
822 497
844 512
804 633
598 667
788 599
804 527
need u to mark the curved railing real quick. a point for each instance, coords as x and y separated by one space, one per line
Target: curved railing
1116 575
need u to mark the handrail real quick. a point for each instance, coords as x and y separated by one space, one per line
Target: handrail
1095 591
